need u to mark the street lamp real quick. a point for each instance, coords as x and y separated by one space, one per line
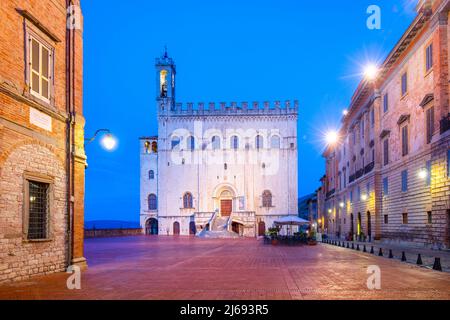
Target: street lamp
423 173
341 204
108 141
370 71
331 137
364 197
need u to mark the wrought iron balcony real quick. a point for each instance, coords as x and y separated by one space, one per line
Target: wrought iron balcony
445 124
369 167
330 193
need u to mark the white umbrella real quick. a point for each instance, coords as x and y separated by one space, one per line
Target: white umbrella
292 221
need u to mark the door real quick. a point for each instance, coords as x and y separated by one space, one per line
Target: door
176 228
226 207
192 228
261 228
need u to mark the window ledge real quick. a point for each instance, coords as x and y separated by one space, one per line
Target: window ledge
37 240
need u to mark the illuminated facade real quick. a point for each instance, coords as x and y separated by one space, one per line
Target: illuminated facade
227 168
388 175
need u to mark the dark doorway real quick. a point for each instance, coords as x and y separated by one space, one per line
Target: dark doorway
352 231
237 228
369 226
192 228
261 228
151 226
176 228
226 207
448 228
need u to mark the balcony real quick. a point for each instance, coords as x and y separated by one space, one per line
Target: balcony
351 178
369 167
445 124
330 193
359 173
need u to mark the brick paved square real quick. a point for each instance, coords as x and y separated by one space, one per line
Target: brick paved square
147 267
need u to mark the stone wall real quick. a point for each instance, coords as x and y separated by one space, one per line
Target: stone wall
105 233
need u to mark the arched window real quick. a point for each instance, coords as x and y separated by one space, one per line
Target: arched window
234 142
215 141
154 146
267 199
151 174
152 202
175 143
275 142
259 142
163 83
147 147
187 201
191 143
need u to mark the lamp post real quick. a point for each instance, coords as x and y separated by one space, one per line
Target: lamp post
108 141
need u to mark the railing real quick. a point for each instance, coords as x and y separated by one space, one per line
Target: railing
369 167
351 178
359 173
445 124
209 223
330 193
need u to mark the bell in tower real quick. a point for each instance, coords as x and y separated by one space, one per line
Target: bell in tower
165 79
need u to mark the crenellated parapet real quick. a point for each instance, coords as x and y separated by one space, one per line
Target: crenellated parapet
232 108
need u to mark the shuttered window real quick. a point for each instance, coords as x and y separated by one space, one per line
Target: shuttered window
429 57
405 149
430 123
40 69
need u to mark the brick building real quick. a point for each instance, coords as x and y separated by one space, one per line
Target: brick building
388 175
42 159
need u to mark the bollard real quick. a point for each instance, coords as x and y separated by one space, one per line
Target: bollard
357 247
419 260
403 256
339 243
348 246
380 253
343 244
353 246
364 248
390 254
437 264
372 251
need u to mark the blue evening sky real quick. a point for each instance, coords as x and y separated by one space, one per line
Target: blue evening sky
227 50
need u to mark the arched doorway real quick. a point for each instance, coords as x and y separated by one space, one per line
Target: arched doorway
226 203
192 228
358 226
352 231
151 226
369 226
261 228
176 228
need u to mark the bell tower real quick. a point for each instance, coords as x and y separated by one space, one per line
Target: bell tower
165 82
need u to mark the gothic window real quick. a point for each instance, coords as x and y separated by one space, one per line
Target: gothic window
147 147
154 146
151 174
215 141
275 142
152 202
267 199
191 143
259 142
163 83
234 143
175 143
187 201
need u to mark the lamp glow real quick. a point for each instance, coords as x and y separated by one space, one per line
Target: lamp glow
423 174
331 137
341 204
364 197
329 210
109 142
344 112
370 72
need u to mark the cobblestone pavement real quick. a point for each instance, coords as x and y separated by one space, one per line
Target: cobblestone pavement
145 267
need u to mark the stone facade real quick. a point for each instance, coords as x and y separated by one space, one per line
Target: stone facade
387 177
217 161
37 119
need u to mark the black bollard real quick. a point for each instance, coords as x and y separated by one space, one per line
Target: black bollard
419 260
437 264
390 254
353 246
380 253
364 248
403 256
372 251
339 244
343 244
357 247
348 246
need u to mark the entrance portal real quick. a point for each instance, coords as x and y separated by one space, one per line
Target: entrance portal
176 228
151 226
226 207
261 228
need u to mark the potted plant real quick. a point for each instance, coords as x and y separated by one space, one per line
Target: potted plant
273 234
312 238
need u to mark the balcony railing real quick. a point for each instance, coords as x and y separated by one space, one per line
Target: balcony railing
330 193
359 173
445 123
369 167
351 178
